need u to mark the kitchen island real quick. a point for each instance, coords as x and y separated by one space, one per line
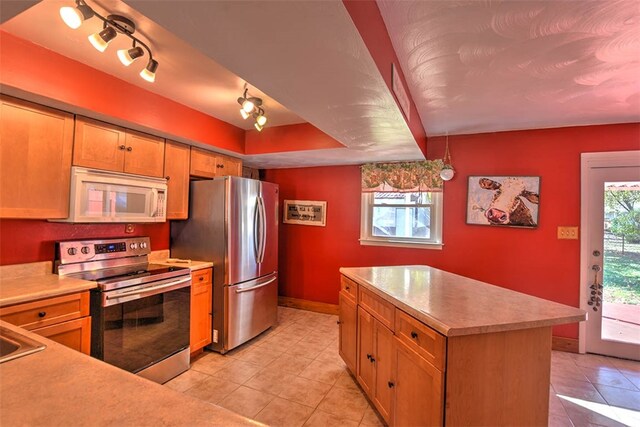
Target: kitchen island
434 348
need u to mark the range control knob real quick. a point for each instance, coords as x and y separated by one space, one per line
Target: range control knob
143 245
133 246
72 251
85 250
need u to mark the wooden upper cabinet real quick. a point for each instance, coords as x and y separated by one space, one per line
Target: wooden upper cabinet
99 145
35 160
176 171
229 166
144 154
207 164
104 146
203 163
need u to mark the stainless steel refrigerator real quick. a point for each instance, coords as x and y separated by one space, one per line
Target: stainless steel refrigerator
233 222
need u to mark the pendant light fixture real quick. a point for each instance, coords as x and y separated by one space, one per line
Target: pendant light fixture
250 106
447 172
112 26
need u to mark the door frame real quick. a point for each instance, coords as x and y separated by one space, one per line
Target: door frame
588 161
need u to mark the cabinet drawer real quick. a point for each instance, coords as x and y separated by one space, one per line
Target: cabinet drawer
349 288
75 334
379 308
48 311
201 276
422 339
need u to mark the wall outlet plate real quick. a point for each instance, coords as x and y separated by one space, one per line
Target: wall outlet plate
129 228
569 233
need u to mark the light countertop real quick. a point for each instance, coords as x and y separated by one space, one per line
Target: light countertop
455 305
31 288
191 264
62 387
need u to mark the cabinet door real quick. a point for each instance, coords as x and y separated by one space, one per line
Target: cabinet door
75 334
35 160
365 367
200 334
203 163
98 145
419 398
176 171
384 379
347 343
228 166
144 154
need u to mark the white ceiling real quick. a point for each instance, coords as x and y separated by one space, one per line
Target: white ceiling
480 66
471 66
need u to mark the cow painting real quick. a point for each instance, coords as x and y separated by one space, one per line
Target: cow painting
511 201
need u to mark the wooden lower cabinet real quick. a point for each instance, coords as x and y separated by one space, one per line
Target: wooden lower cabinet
365 368
201 309
75 334
64 319
418 385
347 343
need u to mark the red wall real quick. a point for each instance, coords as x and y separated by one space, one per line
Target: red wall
58 78
530 261
23 240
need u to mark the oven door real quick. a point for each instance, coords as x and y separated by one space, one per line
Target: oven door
139 326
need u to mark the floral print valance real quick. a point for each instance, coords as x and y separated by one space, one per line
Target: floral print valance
402 176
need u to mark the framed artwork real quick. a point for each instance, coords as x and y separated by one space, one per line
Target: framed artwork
305 212
510 201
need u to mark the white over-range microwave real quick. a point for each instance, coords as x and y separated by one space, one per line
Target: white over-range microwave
103 196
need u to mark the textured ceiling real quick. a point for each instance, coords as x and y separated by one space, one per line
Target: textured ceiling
184 75
483 66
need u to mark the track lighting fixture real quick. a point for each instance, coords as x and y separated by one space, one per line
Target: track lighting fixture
250 106
112 25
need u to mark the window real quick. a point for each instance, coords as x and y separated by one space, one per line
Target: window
402 219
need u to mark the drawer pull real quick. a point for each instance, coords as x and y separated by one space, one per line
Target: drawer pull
369 356
337 322
414 334
347 287
42 314
201 278
390 384
372 359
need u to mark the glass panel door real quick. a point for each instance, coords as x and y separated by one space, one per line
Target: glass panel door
611 254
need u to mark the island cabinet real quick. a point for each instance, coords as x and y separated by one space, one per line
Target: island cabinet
201 309
63 319
434 348
104 146
35 160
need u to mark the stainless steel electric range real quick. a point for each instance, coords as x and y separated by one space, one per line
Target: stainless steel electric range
140 310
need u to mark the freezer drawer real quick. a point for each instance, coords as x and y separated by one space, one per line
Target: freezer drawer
252 307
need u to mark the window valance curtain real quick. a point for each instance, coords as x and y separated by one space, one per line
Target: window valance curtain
402 176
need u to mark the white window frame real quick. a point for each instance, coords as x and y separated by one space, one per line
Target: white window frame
367 238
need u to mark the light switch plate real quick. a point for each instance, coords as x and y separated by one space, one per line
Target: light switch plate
570 233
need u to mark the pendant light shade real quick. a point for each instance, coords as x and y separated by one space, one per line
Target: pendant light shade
127 56
447 172
149 73
101 40
75 16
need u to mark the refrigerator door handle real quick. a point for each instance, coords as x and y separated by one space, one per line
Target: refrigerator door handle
261 285
263 228
256 227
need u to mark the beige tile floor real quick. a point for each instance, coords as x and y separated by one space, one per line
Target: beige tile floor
292 375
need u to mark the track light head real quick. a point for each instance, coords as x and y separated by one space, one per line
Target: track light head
257 126
127 56
101 40
244 114
149 72
75 16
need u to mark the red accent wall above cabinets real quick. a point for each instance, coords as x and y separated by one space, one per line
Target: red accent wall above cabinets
102 96
297 137
531 261
23 240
